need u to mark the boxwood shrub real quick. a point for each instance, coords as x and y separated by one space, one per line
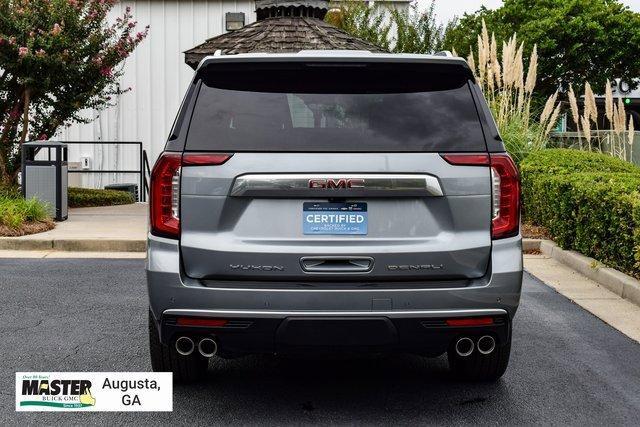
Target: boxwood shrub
562 161
589 202
87 197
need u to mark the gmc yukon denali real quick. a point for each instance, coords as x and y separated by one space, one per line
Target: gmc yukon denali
333 202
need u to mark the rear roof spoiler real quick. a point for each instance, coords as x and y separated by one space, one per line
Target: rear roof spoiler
444 57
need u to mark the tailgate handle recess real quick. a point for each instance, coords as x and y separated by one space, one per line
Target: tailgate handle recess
336 264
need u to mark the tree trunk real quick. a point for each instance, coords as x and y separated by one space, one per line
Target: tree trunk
25 115
5 146
10 118
5 179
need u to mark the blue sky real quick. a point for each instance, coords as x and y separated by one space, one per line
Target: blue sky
447 9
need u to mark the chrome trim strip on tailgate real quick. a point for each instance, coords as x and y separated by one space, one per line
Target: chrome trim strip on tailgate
282 314
383 185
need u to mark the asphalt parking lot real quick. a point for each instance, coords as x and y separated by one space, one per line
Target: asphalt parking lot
567 366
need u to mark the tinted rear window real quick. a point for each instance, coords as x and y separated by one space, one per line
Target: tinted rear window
339 107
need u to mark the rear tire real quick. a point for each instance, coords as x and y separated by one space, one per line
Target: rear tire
185 369
480 367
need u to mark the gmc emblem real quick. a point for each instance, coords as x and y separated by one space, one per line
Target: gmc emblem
336 183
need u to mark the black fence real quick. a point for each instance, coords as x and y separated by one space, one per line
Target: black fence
143 171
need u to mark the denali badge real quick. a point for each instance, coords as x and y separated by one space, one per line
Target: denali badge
415 267
256 267
336 183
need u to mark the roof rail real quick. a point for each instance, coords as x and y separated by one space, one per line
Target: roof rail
446 53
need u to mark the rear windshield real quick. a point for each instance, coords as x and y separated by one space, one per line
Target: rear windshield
335 107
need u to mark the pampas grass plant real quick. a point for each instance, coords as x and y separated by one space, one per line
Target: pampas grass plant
619 136
509 92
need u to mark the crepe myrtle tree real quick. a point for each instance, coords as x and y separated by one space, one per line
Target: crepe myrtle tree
57 57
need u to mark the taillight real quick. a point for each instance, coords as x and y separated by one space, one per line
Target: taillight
165 188
164 200
505 184
505 189
204 159
464 159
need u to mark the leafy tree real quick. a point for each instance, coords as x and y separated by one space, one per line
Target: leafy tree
57 57
418 32
577 40
398 31
365 22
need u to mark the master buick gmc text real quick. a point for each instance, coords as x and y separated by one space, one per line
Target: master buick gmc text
333 202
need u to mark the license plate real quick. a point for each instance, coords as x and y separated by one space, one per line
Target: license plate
334 218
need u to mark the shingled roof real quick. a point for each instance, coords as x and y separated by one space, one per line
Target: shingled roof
282 27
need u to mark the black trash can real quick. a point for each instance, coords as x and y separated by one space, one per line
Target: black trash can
46 178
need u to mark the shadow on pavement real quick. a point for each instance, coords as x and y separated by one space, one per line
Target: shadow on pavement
337 389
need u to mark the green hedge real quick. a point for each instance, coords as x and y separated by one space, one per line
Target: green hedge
563 160
589 202
88 197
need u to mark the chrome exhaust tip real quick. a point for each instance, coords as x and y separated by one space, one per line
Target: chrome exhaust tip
486 344
207 347
464 347
185 346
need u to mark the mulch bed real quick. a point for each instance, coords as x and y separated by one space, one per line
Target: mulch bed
530 231
26 228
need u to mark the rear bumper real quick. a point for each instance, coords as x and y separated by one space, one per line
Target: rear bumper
297 333
404 319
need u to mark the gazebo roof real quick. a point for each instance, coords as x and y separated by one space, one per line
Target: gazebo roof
282 27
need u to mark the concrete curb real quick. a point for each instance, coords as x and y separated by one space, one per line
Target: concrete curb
73 245
617 282
530 245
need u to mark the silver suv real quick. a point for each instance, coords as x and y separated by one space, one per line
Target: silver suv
333 202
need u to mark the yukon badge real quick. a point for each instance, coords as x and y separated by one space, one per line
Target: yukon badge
252 267
335 183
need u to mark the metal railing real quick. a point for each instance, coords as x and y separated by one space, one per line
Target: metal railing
146 176
143 162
